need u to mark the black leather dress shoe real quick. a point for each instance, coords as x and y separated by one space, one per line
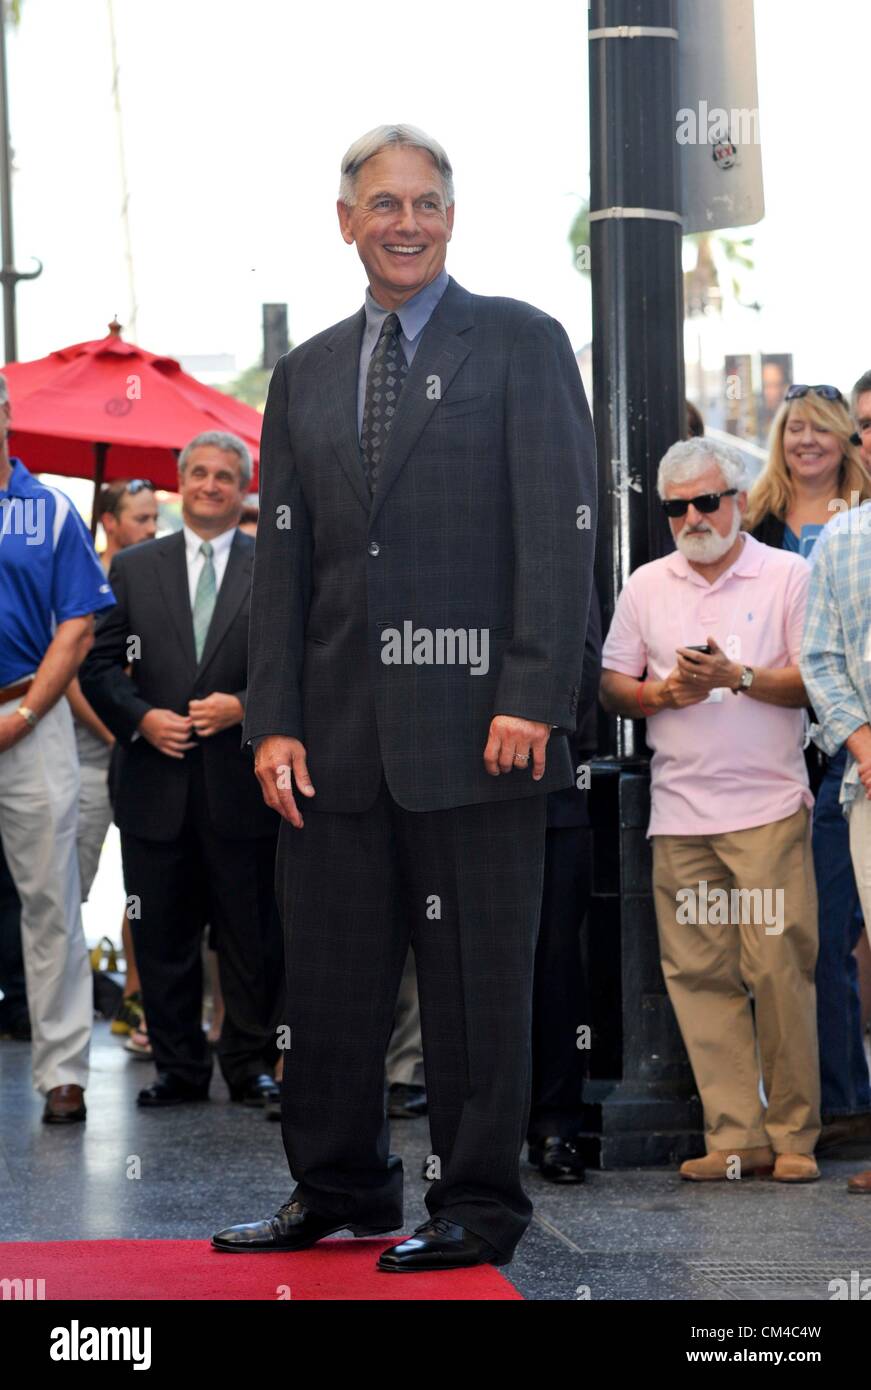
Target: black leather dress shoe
167 1090
439 1244
557 1159
293 1227
257 1091
406 1102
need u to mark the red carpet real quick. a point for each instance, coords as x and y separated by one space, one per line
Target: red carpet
190 1269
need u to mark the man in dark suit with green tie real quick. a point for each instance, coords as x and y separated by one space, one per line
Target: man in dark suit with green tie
421 586
168 674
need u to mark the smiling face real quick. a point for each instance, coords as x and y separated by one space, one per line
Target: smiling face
400 223
813 454
212 490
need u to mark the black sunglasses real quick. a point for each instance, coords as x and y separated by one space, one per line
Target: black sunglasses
138 485
708 502
828 393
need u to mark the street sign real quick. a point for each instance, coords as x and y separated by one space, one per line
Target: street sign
717 121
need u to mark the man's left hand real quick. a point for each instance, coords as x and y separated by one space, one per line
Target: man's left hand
708 673
513 744
13 728
864 770
216 713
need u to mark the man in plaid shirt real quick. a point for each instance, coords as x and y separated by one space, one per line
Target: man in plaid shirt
836 667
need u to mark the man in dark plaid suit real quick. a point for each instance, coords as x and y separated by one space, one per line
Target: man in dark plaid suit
421 587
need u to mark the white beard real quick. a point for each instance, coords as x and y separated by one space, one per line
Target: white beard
708 547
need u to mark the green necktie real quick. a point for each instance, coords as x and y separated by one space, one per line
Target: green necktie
204 599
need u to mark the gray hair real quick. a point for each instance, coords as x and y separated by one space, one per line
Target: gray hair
863 385
378 139
4 390
691 457
219 439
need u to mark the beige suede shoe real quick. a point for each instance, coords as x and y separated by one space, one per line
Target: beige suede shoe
796 1168
720 1166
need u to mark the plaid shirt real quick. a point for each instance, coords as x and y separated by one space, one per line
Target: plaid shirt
836 646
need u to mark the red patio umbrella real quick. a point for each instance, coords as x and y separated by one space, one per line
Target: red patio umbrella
108 409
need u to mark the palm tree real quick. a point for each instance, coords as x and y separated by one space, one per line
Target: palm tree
715 254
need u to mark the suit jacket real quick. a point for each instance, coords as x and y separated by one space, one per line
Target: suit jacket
569 807
150 583
474 525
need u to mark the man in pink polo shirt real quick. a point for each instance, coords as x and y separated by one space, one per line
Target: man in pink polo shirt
733 876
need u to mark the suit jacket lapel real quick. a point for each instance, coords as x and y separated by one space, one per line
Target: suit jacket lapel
173 578
339 400
234 589
440 354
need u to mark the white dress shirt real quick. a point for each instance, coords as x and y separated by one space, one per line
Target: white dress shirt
220 555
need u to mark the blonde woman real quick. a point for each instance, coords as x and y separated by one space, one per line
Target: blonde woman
814 470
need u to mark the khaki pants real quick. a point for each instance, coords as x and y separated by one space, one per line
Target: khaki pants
860 851
405 1052
39 799
95 817
710 967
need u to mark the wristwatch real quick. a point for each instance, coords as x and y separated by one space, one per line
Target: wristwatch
747 674
28 716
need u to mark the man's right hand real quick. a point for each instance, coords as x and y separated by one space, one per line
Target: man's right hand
168 732
280 766
677 691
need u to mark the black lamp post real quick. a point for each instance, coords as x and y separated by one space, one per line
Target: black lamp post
641 1104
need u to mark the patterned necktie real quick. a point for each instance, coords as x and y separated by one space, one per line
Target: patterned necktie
204 599
387 372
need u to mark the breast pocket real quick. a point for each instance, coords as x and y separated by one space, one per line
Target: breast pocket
455 407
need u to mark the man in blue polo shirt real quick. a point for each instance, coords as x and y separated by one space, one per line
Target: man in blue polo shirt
51 584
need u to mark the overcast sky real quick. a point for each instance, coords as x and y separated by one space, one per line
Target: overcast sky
236 117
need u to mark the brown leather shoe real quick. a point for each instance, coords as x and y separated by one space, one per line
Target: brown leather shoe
796 1168
64 1105
720 1166
860 1182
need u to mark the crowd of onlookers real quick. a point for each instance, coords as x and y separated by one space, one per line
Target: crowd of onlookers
747 651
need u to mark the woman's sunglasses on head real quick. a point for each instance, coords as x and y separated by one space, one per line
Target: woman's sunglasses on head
828 393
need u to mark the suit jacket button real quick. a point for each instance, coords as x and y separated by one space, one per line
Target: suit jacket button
374 548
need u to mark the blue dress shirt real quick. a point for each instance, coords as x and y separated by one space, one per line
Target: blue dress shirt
413 318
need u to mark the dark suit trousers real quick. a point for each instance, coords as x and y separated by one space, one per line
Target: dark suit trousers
465 885
560 997
197 878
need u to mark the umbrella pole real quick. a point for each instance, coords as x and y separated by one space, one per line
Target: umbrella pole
100 452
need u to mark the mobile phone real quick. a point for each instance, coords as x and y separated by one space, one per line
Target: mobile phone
705 650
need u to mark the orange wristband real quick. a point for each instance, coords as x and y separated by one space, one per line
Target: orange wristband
639 696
